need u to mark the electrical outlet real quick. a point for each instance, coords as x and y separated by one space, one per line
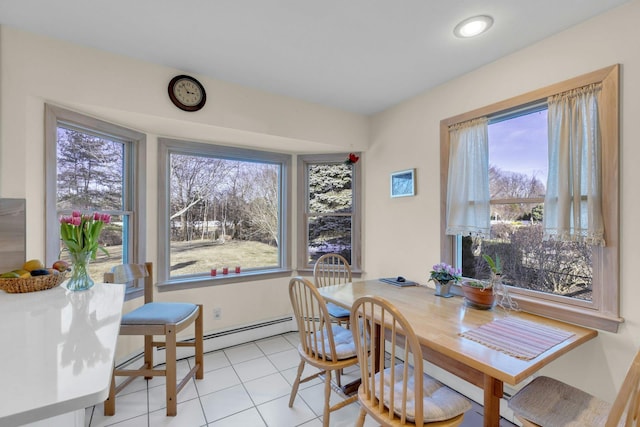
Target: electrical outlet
217 313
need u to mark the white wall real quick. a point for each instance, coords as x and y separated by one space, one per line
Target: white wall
35 70
407 136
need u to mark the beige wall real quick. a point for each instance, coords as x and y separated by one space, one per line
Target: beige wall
35 70
407 136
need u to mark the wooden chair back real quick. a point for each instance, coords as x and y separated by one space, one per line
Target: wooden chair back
627 403
374 323
379 329
331 269
314 323
132 273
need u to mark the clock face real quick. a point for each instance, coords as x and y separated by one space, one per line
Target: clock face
187 93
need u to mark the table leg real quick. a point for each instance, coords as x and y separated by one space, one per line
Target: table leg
377 363
492 394
352 387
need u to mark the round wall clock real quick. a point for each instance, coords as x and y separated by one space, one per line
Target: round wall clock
187 93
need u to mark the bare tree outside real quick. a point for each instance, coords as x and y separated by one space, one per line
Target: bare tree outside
226 203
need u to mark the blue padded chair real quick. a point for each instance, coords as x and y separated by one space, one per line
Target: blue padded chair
333 269
156 319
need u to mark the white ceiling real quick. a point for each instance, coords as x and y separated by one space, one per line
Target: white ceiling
356 55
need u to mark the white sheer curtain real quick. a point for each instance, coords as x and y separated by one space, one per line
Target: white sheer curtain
573 203
468 182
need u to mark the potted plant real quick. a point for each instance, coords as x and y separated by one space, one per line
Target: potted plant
444 275
480 294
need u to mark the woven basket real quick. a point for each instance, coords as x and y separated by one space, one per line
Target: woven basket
31 284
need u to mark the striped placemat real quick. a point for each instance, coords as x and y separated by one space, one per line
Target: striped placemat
516 337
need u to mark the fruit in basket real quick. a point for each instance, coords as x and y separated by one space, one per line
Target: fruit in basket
40 272
61 265
22 273
9 275
33 264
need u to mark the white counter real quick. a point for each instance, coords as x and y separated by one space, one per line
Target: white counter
56 350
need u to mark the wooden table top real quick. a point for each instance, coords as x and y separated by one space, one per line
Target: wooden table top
438 322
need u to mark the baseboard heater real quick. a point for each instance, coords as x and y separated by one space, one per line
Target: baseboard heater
221 334
245 328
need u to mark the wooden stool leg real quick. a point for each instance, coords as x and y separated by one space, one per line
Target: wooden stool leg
171 356
148 353
199 337
110 403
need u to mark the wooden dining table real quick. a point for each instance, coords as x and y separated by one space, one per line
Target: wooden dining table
439 322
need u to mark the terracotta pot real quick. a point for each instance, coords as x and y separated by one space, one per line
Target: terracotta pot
477 297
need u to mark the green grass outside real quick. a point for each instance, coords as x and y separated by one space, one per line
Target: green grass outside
199 256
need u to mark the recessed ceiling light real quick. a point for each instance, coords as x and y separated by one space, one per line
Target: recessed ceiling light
474 26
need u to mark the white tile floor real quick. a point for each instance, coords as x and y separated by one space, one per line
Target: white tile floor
247 385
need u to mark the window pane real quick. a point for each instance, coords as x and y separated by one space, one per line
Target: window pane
223 213
90 171
528 262
518 154
518 165
328 209
90 178
329 234
330 188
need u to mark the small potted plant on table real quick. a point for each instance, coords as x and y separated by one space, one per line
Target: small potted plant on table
444 275
480 294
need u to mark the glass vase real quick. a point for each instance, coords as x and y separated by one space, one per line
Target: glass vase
80 279
443 288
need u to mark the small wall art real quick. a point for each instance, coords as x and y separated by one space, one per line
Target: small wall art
403 183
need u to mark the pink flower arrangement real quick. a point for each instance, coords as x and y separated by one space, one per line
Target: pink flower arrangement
443 273
80 232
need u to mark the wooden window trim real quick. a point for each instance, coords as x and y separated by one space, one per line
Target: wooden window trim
604 311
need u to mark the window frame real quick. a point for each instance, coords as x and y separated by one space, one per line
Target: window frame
603 312
134 185
303 209
167 146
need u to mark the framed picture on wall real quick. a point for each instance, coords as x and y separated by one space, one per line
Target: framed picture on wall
403 183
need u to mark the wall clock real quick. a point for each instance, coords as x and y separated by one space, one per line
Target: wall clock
187 93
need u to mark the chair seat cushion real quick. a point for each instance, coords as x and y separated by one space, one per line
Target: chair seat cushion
343 339
159 313
439 402
551 403
337 311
